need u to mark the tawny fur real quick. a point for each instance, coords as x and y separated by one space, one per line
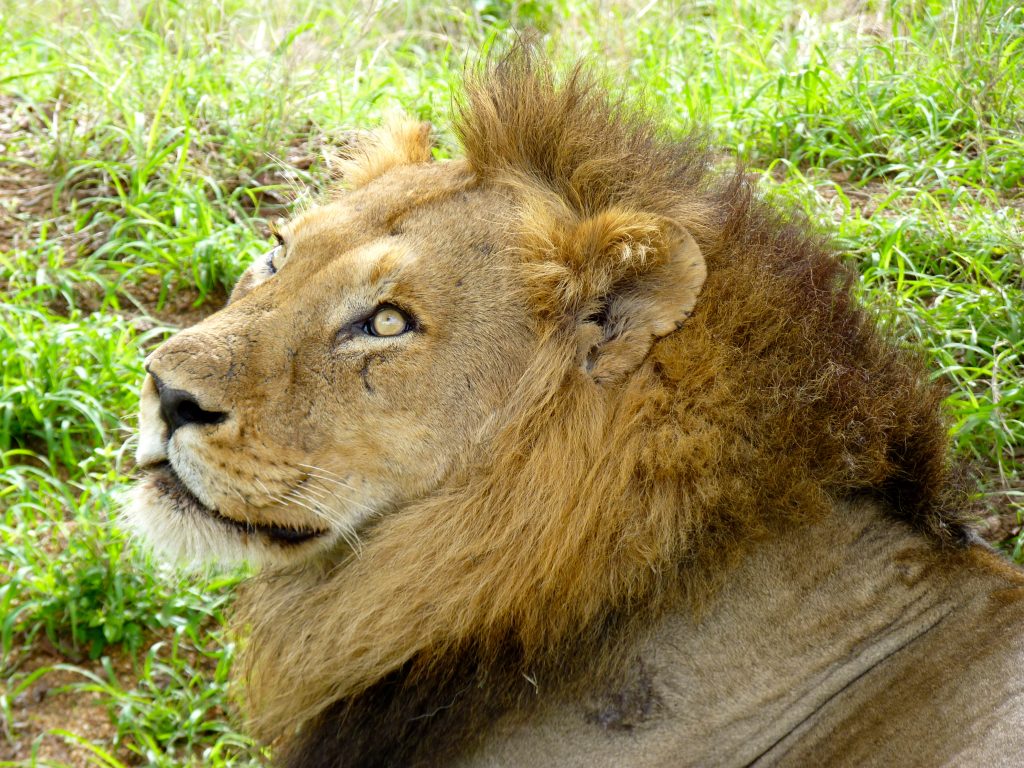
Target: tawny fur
593 506
400 141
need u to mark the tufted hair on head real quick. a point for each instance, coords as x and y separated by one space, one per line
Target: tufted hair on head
400 141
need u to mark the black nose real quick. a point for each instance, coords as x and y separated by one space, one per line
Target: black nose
178 408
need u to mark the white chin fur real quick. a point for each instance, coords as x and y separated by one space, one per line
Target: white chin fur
194 540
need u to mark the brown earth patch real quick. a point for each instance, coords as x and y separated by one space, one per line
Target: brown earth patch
26 191
57 702
52 703
180 307
30 201
864 198
1000 515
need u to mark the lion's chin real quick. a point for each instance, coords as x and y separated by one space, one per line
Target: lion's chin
161 510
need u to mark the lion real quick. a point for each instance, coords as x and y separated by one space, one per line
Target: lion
576 450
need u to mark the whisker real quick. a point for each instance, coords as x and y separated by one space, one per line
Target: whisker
327 474
345 499
329 479
344 529
318 469
326 497
314 510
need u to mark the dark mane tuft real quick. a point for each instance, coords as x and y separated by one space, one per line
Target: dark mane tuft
822 386
594 151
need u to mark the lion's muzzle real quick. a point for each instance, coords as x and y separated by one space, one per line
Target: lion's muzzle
179 408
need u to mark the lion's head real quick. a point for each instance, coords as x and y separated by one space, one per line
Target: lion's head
355 365
495 408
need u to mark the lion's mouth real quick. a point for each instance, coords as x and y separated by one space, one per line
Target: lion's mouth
166 481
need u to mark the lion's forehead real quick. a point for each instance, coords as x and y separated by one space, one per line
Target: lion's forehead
353 262
380 205
408 222
334 217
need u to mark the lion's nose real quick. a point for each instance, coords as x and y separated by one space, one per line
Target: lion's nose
179 408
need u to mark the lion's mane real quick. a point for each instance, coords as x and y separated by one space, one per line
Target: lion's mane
591 510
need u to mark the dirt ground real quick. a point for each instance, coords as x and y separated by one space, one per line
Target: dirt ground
52 704
25 190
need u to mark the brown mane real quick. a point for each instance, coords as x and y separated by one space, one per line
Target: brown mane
591 510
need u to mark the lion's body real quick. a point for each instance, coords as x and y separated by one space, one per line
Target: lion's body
576 416
849 643
853 642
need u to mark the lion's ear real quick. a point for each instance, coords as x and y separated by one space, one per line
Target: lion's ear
654 291
401 140
623 278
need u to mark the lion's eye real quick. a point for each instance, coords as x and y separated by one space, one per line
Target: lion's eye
387 321
274 253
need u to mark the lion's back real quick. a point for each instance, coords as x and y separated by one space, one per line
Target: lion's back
882 652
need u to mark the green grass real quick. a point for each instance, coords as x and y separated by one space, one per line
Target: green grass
142 148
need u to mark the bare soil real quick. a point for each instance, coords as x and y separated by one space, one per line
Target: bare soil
57 702
53 703
26 191
180 307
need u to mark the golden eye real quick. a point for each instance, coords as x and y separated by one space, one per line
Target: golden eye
388 321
